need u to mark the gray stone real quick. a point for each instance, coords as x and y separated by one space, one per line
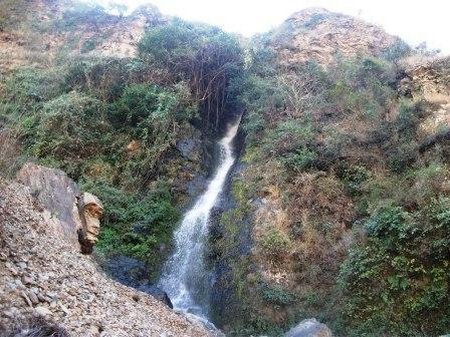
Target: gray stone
309 328
26 279
22 265
55 191
33 297
189 148
43 311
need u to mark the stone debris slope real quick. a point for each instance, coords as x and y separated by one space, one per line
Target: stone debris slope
42 274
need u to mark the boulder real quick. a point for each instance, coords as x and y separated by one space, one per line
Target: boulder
157 293
59 197
55 191
309 328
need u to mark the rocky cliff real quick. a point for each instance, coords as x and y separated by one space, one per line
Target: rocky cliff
320 35
37 32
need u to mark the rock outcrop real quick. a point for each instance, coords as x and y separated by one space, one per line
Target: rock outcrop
91 210
134 273
77 213
309 328
428 79
320 35
43 275
92 34
55 192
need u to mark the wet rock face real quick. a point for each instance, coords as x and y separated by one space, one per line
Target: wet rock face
134 273
309 328
189 148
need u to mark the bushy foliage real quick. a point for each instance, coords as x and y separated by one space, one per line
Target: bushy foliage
10 11
83 14
140 226
400 274
68 129
276 295
210 60
80 117
397 51
154 107
349 124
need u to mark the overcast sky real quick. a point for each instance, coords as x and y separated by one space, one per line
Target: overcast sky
413 20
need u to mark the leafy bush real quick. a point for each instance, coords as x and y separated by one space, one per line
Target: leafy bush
300 160
106 78
210 60
399 275
140 226
397 51
276 295
354 178
10 12
401 158
391 227
83 14
69 129
152 106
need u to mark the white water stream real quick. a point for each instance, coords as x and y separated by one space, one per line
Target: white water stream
185 278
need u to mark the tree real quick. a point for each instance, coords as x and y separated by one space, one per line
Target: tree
205 57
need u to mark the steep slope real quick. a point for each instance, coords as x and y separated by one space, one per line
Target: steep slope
42 273
126 106
339 206
340 197
37 32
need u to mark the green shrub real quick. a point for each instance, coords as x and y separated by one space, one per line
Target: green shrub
391 226
275 243
69 129
409 115
397 51
402 157
354 178
140 226
83 14
276 295
151 105
300 160
206 58
29 85
89 45
399 274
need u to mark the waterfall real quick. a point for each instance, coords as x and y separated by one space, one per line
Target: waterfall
185 278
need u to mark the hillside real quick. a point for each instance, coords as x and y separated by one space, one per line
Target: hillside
323 36
342 188
333 206
43 274
39 32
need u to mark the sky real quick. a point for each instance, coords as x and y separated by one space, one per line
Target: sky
415 21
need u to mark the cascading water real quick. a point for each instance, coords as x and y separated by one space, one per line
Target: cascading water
185 278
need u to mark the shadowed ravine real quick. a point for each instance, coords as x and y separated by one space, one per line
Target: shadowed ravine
185 278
